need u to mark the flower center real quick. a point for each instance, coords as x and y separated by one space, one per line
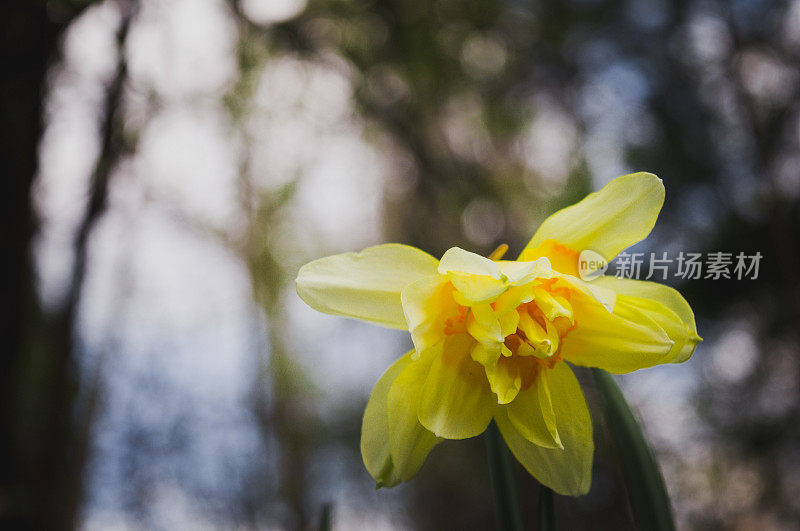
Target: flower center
517 335
537 336
535 344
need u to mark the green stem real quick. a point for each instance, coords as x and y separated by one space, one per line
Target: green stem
326 517
547 513
503 484
648 495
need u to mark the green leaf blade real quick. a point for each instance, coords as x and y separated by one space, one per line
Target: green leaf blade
646 489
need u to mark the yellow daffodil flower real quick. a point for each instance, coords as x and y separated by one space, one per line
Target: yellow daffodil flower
491 336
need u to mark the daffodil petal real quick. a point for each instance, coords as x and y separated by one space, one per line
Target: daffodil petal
534 331
519 273
483 324
428 304
375 449
477 288
551 306
509 321
622 213
476 277
512 298
409 441
532 413
604 295
456 402
457 260
665 306
505 377
365 285
567 471
487 355
683 344
618 342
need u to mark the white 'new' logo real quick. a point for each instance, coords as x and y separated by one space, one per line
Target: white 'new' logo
591 265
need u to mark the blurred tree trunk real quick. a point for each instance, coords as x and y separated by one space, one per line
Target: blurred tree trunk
28 43
43 439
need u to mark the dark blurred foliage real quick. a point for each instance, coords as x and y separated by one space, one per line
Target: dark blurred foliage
716 117
410 71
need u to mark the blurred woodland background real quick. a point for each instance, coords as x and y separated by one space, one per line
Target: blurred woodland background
171 163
